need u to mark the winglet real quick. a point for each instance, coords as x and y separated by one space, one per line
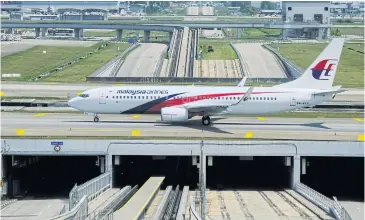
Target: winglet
243 81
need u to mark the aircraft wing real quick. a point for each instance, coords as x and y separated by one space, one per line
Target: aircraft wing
215 108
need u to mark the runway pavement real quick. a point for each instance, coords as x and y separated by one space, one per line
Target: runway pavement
142 61
261 63
58 124
25 89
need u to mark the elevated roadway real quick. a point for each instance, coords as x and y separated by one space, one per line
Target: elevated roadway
60 90
156 25
80 125
142 61
260 62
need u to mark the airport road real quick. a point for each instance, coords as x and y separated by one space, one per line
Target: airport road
261 63
142 61
25 89
29 209
58 124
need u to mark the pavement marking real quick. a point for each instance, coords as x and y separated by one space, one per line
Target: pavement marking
136 116
2 93
119 84
19 132
51 83
40 114
136 133
360 137
248 135
261 118
358 119
79 93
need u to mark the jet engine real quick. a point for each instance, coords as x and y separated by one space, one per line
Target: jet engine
173 114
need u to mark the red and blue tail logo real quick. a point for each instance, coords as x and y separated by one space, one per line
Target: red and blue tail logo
318 69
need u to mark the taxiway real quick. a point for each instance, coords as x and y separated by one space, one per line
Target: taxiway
79 125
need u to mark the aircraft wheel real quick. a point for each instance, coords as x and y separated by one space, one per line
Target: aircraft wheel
96 119
206 120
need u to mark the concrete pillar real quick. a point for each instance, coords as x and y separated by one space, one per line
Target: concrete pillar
147 35
109 168
81 33
43 31
295 171
77 33
10 30
119 35
37 32
239 32
102 164
170 35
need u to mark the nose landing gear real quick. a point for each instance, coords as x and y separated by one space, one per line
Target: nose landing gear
96 118
206 120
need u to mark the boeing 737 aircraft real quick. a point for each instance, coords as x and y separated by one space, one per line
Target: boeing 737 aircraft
181 103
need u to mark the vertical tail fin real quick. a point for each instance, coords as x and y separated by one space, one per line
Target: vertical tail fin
322 71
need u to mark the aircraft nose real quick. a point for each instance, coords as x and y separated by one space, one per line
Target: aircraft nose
72 102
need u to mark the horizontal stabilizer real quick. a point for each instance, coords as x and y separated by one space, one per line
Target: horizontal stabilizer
335 90
243 81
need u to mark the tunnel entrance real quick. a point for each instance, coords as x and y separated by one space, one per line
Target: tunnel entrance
342 177
178 170
48 176
233 172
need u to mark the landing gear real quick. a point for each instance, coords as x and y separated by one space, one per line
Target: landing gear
96 118
206 120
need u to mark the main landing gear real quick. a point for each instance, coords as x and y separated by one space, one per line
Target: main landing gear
206 120
96 118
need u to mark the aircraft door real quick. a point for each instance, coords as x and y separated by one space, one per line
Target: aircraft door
293 101
102 98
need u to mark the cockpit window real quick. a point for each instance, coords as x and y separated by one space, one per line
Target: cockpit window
84 95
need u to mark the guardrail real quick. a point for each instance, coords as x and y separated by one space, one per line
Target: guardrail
117 67
243 67
159 63
91 189
107 212
328 205
78 212
195 80
293 70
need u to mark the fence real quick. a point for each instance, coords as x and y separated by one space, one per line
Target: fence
91 189
330 206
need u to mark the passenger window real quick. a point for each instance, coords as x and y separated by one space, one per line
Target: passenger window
107 97
260 98
275 98
113 97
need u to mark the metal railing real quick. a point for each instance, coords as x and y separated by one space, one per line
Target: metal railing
159 63
340 211
117 67
243 67
91 189
107 212
293 70
328 205
78 212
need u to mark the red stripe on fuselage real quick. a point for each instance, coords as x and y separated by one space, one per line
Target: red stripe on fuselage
189 99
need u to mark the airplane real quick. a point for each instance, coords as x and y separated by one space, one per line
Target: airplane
181 103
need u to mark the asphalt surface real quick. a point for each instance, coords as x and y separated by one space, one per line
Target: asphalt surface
33 209
261 63
73 124
24 89
142 61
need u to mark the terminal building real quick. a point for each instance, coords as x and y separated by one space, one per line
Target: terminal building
306 12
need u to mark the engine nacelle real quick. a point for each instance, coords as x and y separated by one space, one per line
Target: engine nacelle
173 114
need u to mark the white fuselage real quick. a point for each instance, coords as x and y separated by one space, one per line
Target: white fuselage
150 99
